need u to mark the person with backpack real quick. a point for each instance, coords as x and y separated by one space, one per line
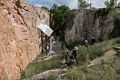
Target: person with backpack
74 54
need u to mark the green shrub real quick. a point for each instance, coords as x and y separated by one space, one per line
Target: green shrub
51 78
96 72
74 74
92 52
38 67
117 41
96 50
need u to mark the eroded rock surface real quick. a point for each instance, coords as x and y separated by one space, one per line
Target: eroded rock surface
19 37
87 24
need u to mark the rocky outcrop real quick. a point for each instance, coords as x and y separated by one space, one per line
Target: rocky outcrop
19 37
87 24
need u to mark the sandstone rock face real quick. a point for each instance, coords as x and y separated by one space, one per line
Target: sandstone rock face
88 24
19 37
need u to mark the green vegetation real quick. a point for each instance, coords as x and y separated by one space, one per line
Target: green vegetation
37 67
82 4
116 31
43 7
60 16
51 78
102 12
110 4
117 15
103 71
96 72
92 52
96 50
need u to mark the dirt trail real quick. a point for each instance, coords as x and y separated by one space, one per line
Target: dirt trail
108 55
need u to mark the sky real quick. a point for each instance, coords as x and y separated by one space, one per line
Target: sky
73 4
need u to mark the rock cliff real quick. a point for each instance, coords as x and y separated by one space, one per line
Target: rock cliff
19 37
87 24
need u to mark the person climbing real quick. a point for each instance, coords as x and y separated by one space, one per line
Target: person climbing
93 40
74 54
86 43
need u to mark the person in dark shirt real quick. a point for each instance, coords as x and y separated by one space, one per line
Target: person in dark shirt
93 40
66 55
74 54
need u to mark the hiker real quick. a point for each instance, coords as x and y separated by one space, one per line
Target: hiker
74 54
93 40
71 61
66 55
86 43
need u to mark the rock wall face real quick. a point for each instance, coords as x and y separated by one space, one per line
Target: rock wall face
87 24
19 37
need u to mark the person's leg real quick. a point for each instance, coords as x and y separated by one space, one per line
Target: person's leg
76 61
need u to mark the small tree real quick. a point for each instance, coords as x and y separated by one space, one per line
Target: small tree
110 4
43 7
82 4
59 19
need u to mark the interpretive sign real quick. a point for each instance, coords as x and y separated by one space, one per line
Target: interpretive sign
46 29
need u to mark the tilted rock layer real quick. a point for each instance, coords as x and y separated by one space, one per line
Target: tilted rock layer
19 37
87 24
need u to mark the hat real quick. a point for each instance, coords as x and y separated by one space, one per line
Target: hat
75 48
86 41
66 50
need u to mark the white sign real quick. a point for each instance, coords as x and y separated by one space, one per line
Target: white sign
46 29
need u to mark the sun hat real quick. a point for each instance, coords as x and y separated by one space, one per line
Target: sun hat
75 48
66 50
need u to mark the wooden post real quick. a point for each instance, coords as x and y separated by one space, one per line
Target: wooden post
46 43
42 41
